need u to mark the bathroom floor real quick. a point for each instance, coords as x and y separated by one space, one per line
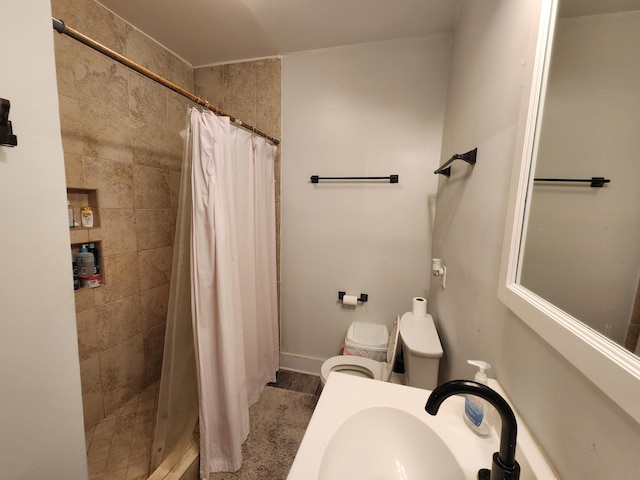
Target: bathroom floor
297 382
119 446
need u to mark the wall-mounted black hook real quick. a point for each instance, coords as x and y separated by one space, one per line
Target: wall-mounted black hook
7 138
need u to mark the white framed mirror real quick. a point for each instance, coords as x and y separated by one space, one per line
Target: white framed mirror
610 366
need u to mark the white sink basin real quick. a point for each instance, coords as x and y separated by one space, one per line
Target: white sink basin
366 429
397 451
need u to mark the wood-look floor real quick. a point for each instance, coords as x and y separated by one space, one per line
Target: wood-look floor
297 382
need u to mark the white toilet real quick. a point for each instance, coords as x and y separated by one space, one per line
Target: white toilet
421 348
363 366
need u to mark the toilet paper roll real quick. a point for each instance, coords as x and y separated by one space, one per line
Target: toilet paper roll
419 307
350 300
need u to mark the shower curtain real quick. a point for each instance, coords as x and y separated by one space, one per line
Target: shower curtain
233 279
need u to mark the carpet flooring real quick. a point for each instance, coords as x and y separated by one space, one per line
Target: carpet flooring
278 422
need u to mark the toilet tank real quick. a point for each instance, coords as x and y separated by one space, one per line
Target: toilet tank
421 349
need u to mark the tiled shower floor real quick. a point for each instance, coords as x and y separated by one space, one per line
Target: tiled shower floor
119 446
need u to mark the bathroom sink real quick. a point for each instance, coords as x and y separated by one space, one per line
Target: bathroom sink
401 448
365 429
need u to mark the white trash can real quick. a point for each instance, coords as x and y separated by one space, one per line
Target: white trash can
367 340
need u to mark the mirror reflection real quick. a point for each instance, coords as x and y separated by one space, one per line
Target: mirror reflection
581 247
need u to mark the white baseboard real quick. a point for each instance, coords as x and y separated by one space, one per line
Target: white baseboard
299 363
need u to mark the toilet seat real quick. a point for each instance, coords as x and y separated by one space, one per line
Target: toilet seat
362 366
352 365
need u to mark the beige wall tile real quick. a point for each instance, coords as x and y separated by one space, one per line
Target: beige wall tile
209 84
84 299
268 116
78 235
92 19
66 52
177 108
242 110
174 188
105 135
153 350
180 72
114 400
121 278
240 79
102 82
122 366
147 100
70 125
155 267
118 321
118 232
93 412
175 150
268 78
154 306
74 170
155 228
114 181
144 51
88 344
154 147
91 379
151 186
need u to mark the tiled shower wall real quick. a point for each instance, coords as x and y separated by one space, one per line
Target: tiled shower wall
120 135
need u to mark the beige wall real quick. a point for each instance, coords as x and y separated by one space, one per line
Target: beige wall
120 134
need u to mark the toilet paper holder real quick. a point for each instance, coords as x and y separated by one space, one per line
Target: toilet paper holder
362 298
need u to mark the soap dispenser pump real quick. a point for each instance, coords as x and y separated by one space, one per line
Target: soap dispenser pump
475 408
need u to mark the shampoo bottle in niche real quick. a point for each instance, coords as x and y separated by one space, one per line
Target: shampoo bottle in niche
475 408
85 262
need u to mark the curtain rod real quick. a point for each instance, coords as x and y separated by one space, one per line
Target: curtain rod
60 27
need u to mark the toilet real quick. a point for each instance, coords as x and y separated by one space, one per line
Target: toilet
363 366
421 349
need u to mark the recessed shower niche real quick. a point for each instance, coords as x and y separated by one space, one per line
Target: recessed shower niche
87 234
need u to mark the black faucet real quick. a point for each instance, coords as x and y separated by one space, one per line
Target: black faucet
504 465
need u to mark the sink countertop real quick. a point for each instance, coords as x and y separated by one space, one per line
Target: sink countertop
344 395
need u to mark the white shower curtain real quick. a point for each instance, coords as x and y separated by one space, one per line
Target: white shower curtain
233 277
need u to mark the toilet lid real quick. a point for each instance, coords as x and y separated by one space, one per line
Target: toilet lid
367 335
419 335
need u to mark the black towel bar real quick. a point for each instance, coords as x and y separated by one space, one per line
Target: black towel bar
469 157
391 178
595 182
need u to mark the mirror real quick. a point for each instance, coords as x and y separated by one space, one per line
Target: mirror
581 250
566 243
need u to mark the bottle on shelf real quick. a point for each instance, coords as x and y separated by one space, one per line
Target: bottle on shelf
87 268
70 213
86 216
96 257
76 280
